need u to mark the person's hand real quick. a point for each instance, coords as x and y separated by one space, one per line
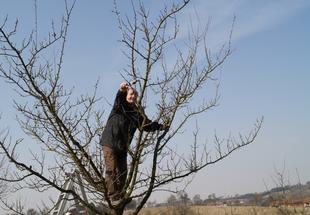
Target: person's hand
164 127
124 86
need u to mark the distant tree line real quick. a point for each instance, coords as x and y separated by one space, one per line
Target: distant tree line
267 198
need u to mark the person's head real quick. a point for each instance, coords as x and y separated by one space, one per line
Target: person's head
132 95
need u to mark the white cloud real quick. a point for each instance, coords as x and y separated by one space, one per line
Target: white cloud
252 16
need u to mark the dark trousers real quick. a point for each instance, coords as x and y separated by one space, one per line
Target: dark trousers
115 173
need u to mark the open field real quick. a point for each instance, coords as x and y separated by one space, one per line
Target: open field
223 210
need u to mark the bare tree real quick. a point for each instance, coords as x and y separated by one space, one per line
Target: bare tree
67 128
197 200
3 184
58 123
172 200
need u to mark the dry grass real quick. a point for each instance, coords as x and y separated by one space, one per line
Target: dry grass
222 210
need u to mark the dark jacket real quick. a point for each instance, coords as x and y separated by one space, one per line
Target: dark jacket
122 123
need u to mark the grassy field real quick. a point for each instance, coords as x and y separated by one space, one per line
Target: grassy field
223 210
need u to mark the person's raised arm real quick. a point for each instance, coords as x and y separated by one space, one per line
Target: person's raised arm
121 95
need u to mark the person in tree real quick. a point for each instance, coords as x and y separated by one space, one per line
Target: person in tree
125 118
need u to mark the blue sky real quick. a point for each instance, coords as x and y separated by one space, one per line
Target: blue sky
268 74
